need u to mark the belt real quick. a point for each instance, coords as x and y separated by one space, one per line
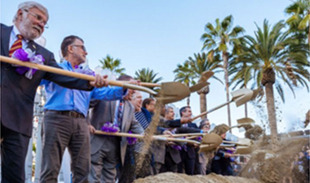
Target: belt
73 114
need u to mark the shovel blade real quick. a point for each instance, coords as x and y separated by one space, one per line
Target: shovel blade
244 150
212 138
205 76
172 92
242 96
207 148
245 121
198 86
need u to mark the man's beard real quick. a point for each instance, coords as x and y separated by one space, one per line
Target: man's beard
27 29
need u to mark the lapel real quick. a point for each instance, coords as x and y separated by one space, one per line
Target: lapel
32 46
126 113
5 39
113 108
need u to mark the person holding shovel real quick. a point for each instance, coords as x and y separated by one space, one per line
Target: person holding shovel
18 86
109 151
221 163
65 124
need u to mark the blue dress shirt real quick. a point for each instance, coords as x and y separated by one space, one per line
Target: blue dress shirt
64 99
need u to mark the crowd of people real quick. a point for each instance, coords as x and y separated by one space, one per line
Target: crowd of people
76 108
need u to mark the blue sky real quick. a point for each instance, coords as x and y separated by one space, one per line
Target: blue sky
160 34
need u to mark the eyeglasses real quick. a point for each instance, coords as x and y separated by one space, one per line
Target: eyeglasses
38 17
81 46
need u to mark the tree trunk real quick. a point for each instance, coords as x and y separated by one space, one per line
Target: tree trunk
225 65
268 80
188 101
271 114
203 104
245 107
203 99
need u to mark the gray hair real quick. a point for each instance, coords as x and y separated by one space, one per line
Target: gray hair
28 5
167 108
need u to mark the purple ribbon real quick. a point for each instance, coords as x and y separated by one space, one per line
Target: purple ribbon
109 127
177 147
27 56
199 138
131 140
84 71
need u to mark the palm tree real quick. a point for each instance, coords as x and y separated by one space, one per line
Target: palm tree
198 65
300 18
112 64
217 39
241 75
184 74
272 53
147 75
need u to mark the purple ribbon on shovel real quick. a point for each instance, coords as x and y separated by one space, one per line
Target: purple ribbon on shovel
27 56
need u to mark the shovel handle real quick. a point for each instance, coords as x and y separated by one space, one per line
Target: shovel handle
149 84
138 136
71 74
211 110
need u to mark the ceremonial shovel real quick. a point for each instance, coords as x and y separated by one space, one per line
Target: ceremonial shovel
240 97
72 74
175 91
138 136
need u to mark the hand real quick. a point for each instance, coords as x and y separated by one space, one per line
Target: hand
91 129
227 155
167 132
135 82
100 81
186 120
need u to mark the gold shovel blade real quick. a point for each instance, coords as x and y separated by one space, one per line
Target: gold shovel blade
245 121
172 92
212 138
241 96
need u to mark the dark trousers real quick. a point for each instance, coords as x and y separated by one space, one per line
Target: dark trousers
13 154
62 131
170 165
188 162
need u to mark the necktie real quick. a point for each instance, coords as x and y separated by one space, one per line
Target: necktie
120 113
16 45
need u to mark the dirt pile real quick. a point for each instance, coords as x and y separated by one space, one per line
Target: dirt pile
278 166
169 177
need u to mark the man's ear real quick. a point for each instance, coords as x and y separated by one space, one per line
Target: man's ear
70 49
20 14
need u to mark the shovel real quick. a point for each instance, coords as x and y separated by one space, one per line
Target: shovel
240 97
72 74
172 92
243 121
169 91
138 136
202 81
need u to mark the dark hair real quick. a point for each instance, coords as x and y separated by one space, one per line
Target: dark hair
183 109
67 42
124 77
147 101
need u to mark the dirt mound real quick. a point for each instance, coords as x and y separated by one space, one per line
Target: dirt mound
169 177
280 165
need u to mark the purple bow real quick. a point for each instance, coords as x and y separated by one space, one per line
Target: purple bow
109 127
199 138
131 140
84 71
27 56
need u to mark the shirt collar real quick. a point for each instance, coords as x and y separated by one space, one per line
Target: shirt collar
15 32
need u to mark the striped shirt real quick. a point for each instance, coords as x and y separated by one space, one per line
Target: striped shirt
142 119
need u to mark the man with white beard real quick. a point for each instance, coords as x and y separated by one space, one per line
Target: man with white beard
17 89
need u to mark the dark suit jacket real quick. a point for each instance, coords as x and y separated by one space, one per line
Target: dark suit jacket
103 112
18 92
